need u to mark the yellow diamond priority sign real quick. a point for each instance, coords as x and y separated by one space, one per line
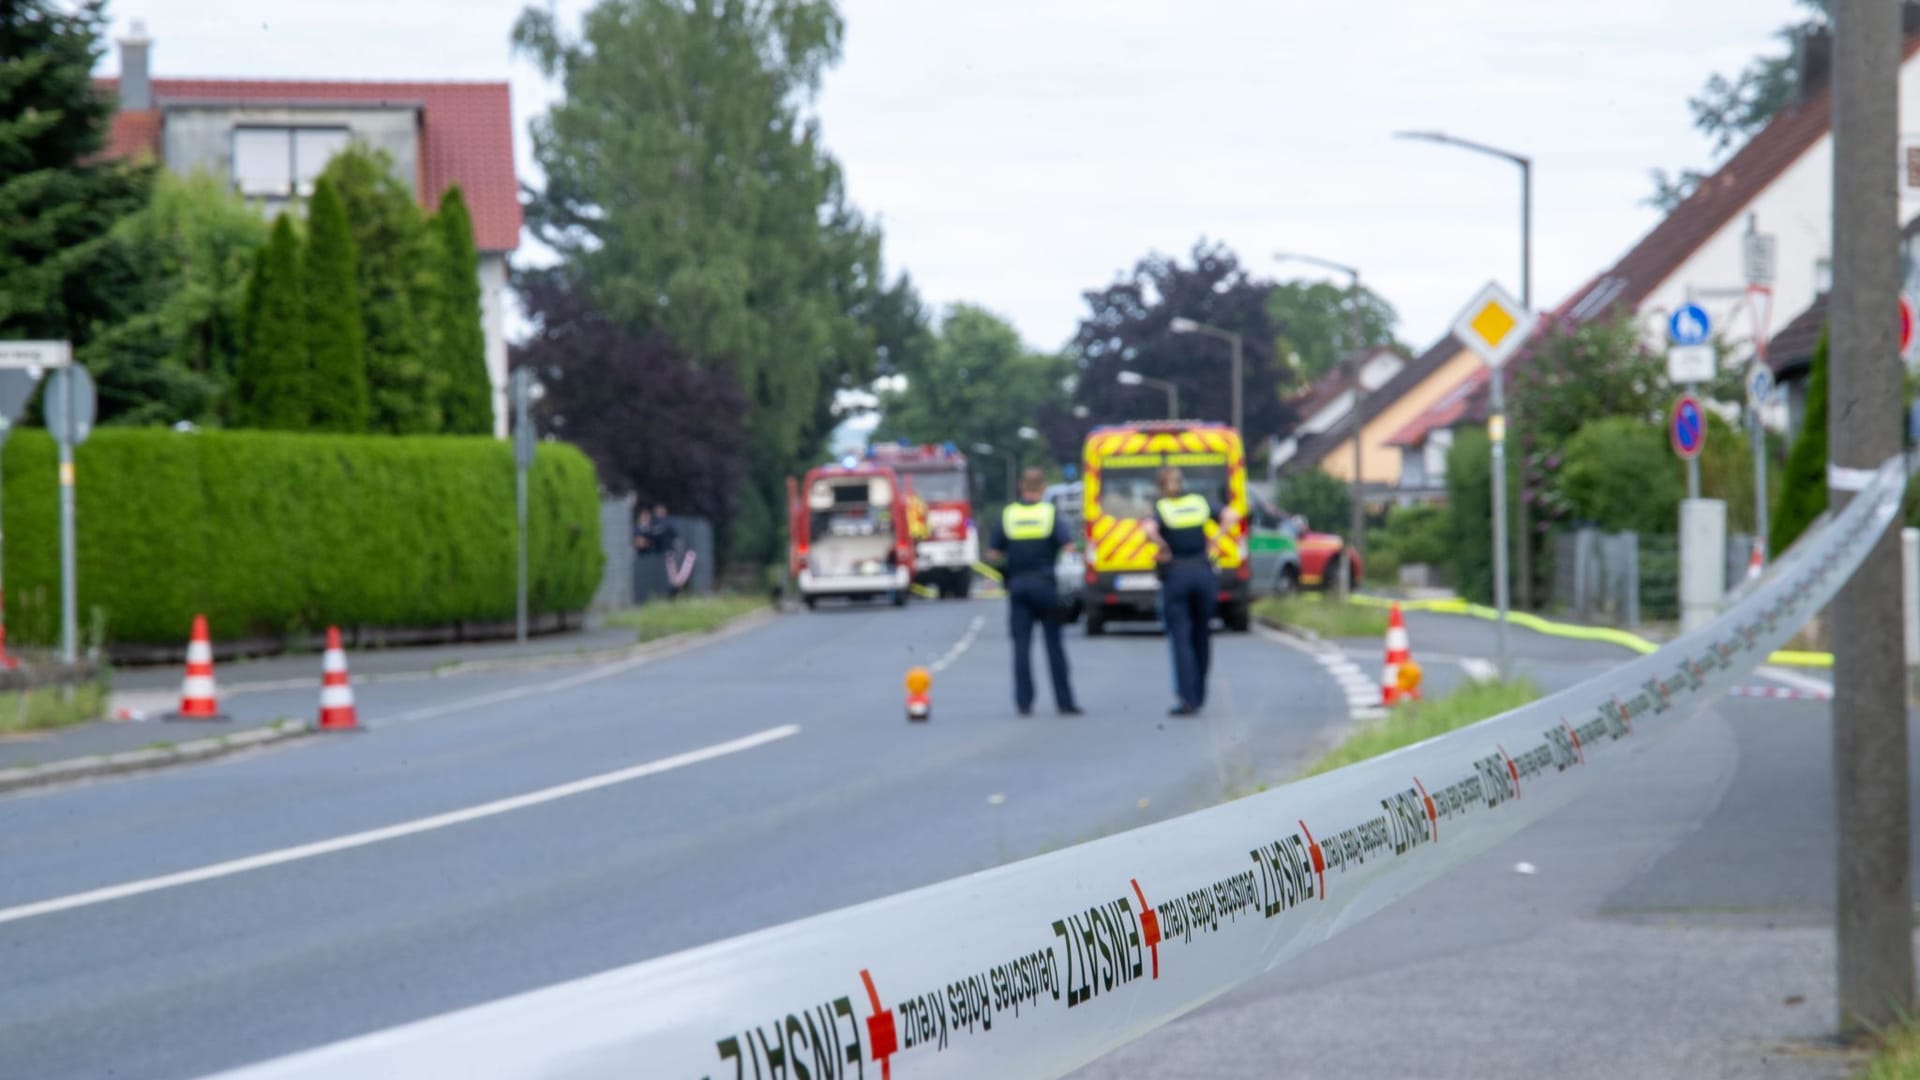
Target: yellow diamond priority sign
1493 325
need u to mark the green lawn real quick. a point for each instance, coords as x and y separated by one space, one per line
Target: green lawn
51 707
1467 703
693 615
1325 615
1898 1059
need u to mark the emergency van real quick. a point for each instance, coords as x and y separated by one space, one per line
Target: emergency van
1120 477
848 535
939 513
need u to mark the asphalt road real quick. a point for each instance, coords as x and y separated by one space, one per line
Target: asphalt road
123 954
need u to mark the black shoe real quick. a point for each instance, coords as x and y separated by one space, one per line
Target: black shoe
1071 710
1184 710
1025 712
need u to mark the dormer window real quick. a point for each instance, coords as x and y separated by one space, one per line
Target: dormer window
283 162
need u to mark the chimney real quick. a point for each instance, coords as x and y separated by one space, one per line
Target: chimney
1812 62
136 81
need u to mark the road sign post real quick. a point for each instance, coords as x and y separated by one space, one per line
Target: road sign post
70 414
1690 360
1494 325
522 461
1759 388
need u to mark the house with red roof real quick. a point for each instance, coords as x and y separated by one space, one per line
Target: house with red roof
271 137
1780 184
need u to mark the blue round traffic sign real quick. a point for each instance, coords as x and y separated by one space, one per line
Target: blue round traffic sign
1689 325
1687 427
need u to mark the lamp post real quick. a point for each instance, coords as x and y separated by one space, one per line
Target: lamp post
1356 526
1134 378
1189 326
1497 397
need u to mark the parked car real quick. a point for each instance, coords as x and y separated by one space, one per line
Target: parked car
1285 554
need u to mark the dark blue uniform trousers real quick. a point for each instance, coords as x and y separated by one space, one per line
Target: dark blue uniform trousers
1186 606
1032 598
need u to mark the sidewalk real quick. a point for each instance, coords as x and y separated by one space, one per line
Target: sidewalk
260 694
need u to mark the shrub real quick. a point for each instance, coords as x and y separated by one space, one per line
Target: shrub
1803 490
1318 497
1619 473
1470 513
270 533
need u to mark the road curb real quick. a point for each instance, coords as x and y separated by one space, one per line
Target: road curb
152 757
208 748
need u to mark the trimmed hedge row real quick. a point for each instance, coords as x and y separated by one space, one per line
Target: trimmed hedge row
270 533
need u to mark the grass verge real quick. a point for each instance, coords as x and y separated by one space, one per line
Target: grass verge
1468 703
46 707
1897 1059
1324 615
693 615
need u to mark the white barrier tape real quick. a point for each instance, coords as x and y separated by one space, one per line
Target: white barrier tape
1034 968
1841 478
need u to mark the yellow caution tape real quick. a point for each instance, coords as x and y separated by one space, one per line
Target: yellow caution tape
1607 635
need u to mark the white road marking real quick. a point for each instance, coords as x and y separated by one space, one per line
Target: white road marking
961 646
394 832
513 693
1361 690
1796 680
1479 669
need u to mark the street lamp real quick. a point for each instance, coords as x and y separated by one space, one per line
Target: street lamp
1355 526
1497 390
1134 378
1182 325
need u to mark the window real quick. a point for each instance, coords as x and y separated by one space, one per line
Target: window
282 162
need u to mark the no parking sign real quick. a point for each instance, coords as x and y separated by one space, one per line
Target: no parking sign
1687 427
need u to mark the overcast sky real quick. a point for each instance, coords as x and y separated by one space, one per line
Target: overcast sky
1019 152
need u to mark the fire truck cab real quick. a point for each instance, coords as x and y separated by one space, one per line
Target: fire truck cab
848 534
939 513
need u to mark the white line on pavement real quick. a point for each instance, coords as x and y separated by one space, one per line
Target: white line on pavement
965 643
513 693
394 832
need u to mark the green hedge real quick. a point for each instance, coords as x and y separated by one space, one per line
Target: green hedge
271 533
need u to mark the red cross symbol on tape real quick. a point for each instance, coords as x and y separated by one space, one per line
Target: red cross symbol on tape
1577 748
882 1039
1433 812
1319 861
1512 769
1149 925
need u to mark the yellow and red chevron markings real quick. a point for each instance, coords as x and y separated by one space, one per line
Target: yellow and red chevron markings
1121 544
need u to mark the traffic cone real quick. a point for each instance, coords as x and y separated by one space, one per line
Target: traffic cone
919 700
336 693
1392 687
1756 563
198 699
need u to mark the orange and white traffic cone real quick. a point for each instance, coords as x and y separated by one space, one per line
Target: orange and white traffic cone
1393 688
1756 563
198 698
336 692
919 695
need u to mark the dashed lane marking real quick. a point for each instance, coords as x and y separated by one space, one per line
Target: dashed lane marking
959 647
1361 690
394 832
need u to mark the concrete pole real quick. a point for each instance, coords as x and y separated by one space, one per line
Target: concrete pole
1523 513
1357 535
1873 902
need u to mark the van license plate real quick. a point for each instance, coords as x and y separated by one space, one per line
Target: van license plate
1136 583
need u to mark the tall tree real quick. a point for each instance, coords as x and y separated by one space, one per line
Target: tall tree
461 346
1129 327
1729 110
978 384
336 340
57 204
655 424
1316 324
274 385
396 274
686 180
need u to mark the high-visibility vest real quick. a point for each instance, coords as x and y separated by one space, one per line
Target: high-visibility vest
1184 512
1027 521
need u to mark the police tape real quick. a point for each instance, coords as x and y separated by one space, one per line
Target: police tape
1036 967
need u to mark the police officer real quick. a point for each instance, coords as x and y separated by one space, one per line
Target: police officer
1029 538
1187 584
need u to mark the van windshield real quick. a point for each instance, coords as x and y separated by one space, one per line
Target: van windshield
945 486
1130 491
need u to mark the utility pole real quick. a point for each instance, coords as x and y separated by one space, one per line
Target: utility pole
523 448
1356 524
1873 901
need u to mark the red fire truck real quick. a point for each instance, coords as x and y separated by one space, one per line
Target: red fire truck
939 513
848 533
